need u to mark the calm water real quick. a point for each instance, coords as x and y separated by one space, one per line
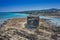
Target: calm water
55 21
5 16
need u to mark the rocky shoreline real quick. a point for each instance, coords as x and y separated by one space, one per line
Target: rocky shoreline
14 29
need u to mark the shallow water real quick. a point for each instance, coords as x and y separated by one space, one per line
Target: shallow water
56 21
5 16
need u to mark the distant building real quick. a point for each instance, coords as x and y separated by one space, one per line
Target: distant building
32 21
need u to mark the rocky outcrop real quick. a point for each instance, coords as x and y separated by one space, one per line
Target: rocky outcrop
14 29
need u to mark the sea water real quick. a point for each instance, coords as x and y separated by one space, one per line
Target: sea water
7 15
55 21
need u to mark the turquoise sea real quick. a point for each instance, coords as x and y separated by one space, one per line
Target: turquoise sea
4 16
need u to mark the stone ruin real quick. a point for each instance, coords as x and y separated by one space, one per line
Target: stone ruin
32 21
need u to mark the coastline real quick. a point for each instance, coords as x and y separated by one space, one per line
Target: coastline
17 26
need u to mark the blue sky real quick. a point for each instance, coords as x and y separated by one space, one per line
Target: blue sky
25 5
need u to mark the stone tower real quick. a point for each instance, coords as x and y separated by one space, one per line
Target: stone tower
32 21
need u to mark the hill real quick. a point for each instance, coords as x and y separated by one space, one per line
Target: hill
45 12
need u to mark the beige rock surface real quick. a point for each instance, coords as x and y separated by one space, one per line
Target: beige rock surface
15 29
